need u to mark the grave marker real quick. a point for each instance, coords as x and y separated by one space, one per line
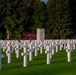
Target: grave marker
8 53
48 54
30 52
36 49
69 49
24 54
40 35
1 56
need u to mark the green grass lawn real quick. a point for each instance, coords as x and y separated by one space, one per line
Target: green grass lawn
38 66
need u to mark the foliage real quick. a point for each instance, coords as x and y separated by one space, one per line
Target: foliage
18 17
29 37
39 15
59 19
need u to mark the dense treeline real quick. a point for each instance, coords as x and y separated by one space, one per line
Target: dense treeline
18 17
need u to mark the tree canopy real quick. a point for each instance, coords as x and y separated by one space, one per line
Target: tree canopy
19 17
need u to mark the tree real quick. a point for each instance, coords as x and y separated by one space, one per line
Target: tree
73 13
59 20
51 11
6 17
10 18
39 15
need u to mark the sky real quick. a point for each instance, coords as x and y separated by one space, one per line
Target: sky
44 1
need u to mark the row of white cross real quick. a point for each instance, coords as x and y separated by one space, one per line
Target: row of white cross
28 47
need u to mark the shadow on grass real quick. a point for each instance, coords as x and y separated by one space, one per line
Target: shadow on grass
12 61
59 56
61 61
39 58
38 64
73 60
13 67
21 66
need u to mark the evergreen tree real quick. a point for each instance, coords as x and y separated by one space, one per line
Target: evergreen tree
73 13
5 8
10 20
18 17
39 15
59 19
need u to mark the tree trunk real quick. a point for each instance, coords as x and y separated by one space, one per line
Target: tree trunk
7 32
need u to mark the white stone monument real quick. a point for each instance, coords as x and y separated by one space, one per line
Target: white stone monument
40 35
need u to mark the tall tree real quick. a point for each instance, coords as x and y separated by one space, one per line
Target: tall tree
27 12
10 19
39 15
6 17
73 13
60 18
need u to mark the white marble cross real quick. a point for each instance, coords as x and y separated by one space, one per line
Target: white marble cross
8 53
30 52
1 56
69 49
74 44
4 48
61 45
52 48
36 49
13 46
56 46
41 47
24 54
17 50
64 45
48 54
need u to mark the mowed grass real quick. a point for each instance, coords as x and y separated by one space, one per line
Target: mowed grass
38 66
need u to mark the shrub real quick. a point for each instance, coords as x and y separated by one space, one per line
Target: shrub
28 37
